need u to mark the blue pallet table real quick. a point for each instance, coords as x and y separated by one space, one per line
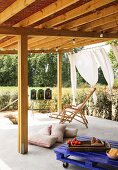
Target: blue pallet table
89 160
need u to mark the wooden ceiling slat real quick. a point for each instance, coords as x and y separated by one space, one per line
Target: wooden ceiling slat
85 43
13 9
64 42
49 10
15 39
4 4
107 26
52 43
43 43
99 22
89 18
113 30
9 42
62 21
83 9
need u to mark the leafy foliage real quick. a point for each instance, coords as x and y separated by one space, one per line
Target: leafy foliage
42 70
8 70
113 42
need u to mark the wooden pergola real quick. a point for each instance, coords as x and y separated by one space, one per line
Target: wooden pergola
35 26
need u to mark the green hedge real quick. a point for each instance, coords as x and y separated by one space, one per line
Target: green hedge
106 106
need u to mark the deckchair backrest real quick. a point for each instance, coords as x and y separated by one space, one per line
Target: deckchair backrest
86 99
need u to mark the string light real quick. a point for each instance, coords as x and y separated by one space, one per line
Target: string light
73 41
57 49
101 34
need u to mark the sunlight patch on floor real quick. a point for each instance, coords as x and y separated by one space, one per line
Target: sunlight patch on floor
4 166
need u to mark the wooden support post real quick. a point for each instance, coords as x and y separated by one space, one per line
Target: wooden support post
59 81
22 95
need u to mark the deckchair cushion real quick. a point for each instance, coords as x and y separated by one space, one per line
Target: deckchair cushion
70 132
46 130
42 140
58 131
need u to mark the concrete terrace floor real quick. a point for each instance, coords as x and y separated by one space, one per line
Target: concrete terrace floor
39 158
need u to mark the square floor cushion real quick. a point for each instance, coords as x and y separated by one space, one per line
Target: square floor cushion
42 140
45 130
70 132
58 131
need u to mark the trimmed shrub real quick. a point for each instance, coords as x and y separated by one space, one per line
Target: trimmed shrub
4 99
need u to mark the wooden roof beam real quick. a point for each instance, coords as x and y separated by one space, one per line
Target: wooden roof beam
89 18
83 9
107 26
63 42
13 40
13 9
47 11
50 43
3 52
43 42
99 22
83 44
60 5
52 32
32 43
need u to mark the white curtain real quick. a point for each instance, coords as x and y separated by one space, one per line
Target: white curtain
105 64
115 51
87 67
73 77
85 62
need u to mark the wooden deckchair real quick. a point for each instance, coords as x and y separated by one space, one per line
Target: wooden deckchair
74 112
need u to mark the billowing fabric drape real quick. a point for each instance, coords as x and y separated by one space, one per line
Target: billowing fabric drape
115 51
73 77
85 63
87 67
106 67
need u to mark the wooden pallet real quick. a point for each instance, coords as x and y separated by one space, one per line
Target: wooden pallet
90 160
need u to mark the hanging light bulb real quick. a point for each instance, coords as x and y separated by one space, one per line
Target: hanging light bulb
101 34
57 49
73 41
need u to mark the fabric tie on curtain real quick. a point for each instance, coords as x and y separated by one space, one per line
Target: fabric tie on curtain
115 51
105 64
73 77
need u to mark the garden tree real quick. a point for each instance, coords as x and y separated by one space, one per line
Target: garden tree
31 68
43 69
113 42
114 63
66 71
101 79
113 58
8 70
